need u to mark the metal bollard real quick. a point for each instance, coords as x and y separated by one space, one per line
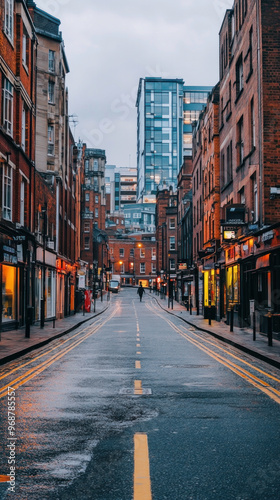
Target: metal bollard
53 323
254 326
209 316
269 329
231 320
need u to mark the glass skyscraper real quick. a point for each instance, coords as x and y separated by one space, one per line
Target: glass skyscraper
159 134
195 99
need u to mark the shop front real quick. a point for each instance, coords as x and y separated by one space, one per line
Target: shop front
45 284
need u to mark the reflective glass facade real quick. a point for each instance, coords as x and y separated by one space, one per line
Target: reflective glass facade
195 98
160 134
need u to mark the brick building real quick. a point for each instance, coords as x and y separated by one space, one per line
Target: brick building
250 147
206 208
17 172
134 258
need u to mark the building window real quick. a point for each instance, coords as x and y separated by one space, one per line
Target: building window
121 252
25 47
229 162
51 61
87 243
131 252
172 266
250 50
51 140
23 199
87 197
7 193
51 92
252 124
86 227
8 106
172 224
8 293
142 267
254 188
142 253
96 213
239 76
154 254
172 243
240 142
242 199
23 127
122 268
9 19
96 199
95 166
154 269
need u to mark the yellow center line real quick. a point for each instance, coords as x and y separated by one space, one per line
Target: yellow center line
138 387
138 352
142 482
36 370
137 345
138 365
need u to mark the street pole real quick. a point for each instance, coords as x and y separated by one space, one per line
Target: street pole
44 214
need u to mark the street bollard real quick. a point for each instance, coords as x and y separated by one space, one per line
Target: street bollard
231 319
269 329
191 307
53 323
27 327
254 326
209 316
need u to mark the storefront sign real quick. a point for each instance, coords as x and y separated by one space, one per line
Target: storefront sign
182 266
235 214
229 235
268 236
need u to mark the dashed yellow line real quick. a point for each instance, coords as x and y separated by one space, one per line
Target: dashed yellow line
138 387
138 365
142 481
138 345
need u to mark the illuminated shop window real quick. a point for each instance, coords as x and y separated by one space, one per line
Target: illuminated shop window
8 293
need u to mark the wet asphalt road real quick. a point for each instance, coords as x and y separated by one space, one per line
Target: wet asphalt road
212 435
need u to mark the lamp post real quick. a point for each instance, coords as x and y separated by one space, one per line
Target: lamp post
43 296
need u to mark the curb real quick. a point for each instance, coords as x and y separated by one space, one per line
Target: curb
245 349
18 354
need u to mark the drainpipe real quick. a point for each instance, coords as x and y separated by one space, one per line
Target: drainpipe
258 17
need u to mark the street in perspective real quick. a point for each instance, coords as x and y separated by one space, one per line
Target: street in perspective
139 250
138 404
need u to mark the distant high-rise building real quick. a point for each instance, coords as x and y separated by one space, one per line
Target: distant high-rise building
159 134
166 109
195 99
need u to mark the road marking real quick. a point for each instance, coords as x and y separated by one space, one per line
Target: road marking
139 352
241 372
138 387
36 370
138 345
142 481
137 365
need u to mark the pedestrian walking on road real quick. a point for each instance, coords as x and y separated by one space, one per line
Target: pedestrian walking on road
140 291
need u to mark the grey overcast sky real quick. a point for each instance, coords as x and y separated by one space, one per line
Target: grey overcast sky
110 44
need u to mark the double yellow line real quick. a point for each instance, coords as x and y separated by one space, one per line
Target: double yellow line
36 370
241 372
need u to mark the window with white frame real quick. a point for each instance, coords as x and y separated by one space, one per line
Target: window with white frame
24 48
154 254
8 106
121 252
96 213
172 223
86 196
51 61
96 198
51 140
131 252
172 243
154 269
23 127
142 267
172 265
7 192
136 216
95 165
9 19
86 227
142 253
22 201
51 92
122 268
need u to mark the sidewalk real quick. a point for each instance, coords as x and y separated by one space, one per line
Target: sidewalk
13 343
241 338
